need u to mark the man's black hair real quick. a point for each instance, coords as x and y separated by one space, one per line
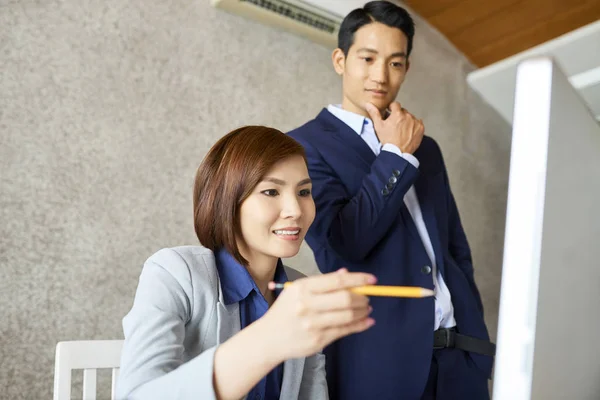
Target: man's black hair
383 12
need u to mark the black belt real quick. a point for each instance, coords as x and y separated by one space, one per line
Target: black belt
447 337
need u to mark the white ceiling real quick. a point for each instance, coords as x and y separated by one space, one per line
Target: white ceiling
578 55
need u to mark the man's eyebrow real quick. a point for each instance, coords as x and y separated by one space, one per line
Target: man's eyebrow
373 51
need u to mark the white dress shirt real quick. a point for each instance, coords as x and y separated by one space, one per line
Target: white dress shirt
444 311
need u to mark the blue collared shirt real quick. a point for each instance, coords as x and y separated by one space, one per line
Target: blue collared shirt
239 287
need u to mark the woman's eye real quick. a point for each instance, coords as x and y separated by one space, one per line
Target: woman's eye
270 192
305 192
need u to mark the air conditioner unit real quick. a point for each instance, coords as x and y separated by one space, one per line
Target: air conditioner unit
297 16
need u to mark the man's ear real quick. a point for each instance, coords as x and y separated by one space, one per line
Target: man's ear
339 61
407 64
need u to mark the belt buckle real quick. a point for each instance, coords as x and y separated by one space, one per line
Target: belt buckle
448 342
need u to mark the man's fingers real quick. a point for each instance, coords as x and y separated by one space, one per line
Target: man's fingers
408 114
373 113
422 126
395 107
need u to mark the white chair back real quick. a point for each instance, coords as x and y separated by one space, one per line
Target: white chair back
88 355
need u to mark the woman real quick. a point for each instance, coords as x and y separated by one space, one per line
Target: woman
204 323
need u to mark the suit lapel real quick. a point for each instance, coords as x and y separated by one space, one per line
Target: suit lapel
228 320
292 378
423 187
409 222
346 137
229 325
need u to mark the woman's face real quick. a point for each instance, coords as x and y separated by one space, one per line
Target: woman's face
275 217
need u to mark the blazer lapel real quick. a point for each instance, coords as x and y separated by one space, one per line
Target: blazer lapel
425 197
292 378
346 137
409 222
228 320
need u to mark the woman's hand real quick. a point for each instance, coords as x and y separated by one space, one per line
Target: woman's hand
315 311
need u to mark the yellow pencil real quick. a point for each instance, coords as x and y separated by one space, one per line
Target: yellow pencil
379 290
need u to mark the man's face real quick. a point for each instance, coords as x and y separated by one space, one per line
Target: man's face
374 68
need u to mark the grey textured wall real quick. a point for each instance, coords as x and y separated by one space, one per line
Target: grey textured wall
107 108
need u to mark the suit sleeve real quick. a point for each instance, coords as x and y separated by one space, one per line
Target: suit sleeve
152 365
353 225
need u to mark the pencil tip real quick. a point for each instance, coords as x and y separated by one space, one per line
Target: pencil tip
428 292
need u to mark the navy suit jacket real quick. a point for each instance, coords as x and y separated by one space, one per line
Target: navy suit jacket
363 224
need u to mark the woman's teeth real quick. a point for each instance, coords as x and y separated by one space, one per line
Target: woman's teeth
287 232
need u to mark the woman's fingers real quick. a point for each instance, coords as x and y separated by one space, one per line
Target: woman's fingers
336 281
334 301
334 333
338 318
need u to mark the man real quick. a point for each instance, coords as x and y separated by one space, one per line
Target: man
384 206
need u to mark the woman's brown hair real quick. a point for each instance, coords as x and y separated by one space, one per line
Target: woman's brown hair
228 175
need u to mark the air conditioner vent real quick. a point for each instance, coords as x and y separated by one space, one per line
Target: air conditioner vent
296 13
295 16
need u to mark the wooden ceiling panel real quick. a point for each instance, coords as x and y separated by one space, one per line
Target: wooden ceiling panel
454 19
429 8
536 34
488 31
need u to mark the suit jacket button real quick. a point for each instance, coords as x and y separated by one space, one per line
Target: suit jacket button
426 269
396 173
393 180
385 191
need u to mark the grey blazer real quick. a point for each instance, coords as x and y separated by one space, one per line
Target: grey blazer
177 321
